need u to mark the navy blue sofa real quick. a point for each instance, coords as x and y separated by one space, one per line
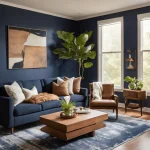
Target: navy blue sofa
23 113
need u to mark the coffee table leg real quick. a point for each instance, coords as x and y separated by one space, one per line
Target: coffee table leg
92 133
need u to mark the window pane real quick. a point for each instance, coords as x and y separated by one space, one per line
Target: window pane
111 68
111 37
146 70
145 28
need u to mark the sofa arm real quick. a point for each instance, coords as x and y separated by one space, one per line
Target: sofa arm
84 91
6 112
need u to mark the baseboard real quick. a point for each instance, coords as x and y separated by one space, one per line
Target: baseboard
145 109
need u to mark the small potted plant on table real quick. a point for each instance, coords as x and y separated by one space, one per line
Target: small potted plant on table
134 84
67 108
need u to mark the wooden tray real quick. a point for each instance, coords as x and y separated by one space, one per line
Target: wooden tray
84 111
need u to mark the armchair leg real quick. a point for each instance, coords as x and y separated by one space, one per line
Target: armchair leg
117 113
12 130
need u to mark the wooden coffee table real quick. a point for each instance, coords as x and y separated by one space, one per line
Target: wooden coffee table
67 129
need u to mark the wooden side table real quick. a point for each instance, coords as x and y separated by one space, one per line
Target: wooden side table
134 95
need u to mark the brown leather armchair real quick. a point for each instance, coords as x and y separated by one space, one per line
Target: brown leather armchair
109 99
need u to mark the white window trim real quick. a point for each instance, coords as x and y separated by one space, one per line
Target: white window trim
111 21
140 54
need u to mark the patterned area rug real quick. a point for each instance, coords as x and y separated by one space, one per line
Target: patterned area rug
29 137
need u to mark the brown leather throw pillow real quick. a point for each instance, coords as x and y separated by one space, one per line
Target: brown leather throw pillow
60 90
76 84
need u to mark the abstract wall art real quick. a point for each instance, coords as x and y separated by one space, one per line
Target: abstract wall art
26 48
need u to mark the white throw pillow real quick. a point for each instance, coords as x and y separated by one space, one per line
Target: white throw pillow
14 91
70 84
29 93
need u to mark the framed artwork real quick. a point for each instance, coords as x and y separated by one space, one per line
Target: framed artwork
26 48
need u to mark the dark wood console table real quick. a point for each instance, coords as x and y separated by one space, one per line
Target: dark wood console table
134 95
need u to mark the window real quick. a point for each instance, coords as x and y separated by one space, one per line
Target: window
144 50
110 49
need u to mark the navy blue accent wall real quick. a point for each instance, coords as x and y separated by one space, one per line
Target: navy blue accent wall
11 16
130 41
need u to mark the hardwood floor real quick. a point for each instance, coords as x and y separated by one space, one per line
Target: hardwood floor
140 143
134 113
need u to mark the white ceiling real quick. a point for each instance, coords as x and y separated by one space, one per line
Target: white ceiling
78 9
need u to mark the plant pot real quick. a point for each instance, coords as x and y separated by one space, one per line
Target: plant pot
139 89
132 86
68 112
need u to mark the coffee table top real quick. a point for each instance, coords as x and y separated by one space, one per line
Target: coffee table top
55 121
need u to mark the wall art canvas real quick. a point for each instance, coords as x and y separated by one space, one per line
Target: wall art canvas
26 48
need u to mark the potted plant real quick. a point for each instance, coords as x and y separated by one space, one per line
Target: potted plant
75 48
67 107
134 84
139 84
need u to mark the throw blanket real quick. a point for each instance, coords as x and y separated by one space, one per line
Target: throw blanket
42 97
97 90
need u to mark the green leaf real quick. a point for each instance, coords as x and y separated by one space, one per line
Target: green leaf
130 79
92 55
66 45
90 47
65 36
82 39
88 64
59 51
65 57
89 34
82 50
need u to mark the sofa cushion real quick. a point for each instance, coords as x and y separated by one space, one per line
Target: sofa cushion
2 89
48 84
50 104
76 98
26 108
103 103
29 84
60 89
15 92
76 84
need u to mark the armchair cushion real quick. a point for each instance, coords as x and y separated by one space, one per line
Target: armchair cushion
103 103
108 91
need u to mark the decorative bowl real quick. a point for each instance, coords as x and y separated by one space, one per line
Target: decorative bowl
63 116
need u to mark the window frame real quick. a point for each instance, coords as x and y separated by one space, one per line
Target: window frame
141 17
100 24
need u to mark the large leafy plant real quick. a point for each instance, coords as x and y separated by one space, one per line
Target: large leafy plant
75 48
